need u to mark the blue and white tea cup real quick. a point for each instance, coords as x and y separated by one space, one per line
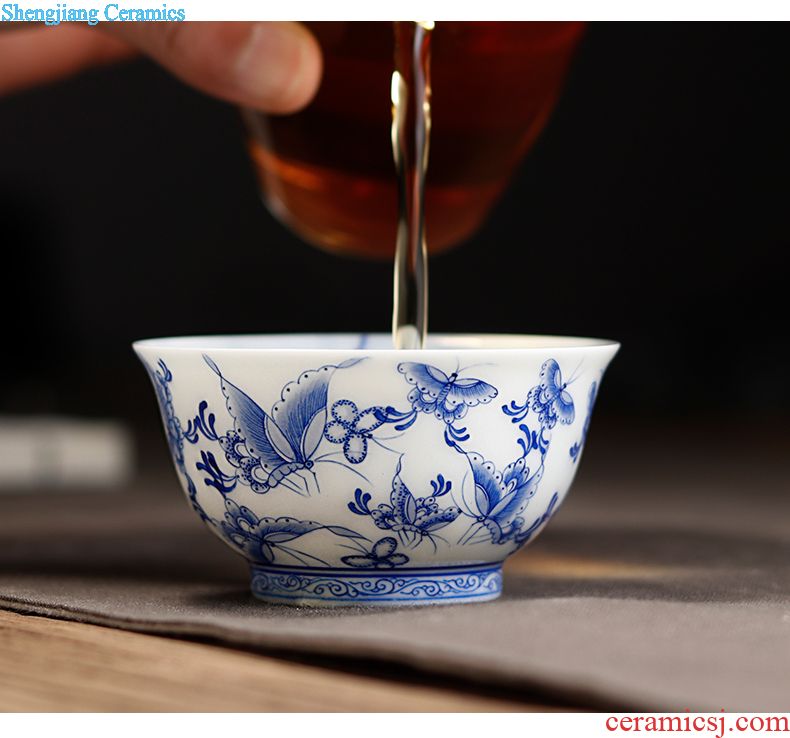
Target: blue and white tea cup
349 473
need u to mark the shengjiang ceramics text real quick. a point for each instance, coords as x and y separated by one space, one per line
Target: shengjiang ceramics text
54 15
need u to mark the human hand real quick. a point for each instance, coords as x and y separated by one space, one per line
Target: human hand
271 66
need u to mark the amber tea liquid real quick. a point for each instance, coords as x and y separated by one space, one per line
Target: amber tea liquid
328 172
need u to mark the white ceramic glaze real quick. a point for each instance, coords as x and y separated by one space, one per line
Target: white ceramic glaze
350 473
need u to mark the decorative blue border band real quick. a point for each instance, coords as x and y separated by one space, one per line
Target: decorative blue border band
406 587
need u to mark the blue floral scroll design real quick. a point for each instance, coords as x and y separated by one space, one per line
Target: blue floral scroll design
202 425
576 450
264 539
481 583
222 482
534 440
382 555
413 519
161 379
354 428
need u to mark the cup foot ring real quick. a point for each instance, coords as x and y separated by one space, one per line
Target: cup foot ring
387 587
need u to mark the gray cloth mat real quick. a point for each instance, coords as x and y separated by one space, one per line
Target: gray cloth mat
653 588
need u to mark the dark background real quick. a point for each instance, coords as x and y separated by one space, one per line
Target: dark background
653 210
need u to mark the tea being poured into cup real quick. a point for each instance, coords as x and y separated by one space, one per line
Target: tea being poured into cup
479 93
327 172
344 471
411 137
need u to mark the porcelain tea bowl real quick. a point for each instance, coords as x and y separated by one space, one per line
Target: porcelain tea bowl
349 473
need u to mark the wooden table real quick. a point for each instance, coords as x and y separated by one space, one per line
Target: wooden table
59 666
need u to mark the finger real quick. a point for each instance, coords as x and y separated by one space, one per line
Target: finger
35 55
270 66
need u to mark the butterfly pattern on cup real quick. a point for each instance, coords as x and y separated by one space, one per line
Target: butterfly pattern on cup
263 539
550 399
447 397
498 499
278 451
414 519
278 447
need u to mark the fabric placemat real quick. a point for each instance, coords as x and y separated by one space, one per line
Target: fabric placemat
649 590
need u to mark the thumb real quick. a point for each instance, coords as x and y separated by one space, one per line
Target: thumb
272 66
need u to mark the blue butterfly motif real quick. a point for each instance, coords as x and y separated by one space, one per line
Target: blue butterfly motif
550 398
448 398
279 446
499 499
263 539
414 519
